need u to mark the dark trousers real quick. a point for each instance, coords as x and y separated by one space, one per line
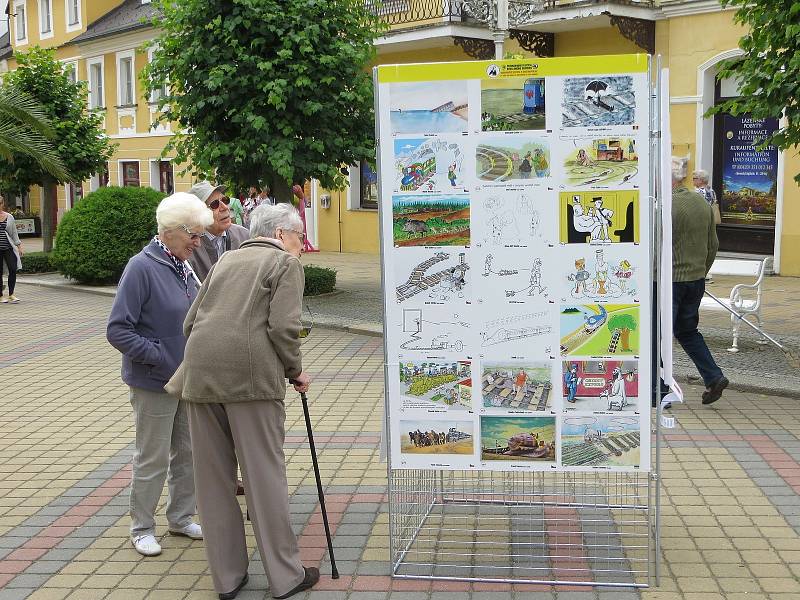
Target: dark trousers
10 259
686 297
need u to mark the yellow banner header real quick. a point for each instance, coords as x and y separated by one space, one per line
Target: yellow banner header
525 67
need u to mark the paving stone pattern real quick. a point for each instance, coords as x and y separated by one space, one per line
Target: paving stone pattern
729 501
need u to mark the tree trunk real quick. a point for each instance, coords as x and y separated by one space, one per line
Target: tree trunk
49 211
625 334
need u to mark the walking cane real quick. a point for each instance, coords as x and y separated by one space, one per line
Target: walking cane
320 493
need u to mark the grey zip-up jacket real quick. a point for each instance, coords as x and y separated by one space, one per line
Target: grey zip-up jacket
146 320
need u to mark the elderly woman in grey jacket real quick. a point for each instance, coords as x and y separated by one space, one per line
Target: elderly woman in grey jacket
10 253
243 342
154 294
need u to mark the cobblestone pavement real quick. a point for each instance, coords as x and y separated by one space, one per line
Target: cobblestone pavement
730 472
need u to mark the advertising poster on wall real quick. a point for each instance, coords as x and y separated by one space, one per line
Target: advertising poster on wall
515 244
749 174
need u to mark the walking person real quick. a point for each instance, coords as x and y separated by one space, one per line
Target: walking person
694 247
153 297
11 253
243 342
298 192
701 186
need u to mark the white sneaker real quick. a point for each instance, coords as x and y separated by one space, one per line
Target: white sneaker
192 530
146 545
3 299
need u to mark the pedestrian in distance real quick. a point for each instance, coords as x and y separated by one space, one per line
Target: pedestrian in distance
153 297
694 247
222 235
701 186
11 253
237 211
243 342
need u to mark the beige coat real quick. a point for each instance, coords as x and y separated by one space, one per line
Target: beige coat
204 257
243 328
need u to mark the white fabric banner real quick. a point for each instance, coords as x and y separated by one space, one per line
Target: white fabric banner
665 268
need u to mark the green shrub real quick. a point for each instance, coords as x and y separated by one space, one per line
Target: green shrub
319 280
96 238
37 262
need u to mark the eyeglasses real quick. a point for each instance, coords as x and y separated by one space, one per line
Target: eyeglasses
192 235
214 204
300 233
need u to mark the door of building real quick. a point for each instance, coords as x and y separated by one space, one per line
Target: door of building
166 181
745 179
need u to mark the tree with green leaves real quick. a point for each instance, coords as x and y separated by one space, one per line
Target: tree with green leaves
624 323
769 72
80 139
267 91
25 130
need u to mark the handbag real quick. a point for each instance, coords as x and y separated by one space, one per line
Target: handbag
717 216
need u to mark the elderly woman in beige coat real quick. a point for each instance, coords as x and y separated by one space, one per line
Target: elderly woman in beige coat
243 342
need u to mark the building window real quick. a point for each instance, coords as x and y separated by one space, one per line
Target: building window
73 12
45 17
99 179
96 99
74 193
71 71
129 173
363 187
126 92
160 92
21 23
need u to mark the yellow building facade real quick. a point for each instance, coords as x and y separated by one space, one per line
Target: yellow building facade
102 40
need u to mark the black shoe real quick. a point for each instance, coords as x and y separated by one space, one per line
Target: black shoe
713 393
311 578
232 595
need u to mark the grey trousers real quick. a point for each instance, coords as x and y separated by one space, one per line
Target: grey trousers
253 432
163 452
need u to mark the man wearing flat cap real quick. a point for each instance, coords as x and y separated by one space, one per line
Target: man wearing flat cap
222 235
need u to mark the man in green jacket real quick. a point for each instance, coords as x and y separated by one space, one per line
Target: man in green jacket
694 246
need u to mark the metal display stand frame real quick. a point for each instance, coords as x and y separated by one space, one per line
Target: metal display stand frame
595 528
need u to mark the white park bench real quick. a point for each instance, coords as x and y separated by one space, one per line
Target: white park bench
745 298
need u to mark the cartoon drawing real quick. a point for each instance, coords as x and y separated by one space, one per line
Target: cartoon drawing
534 279
513 104
507 158
523 386
601 385
436 384
436 437
427 107
507 330
600 440
599 329
431 220
579 277
447 283
572 381
596 102
606 275
433 335
511 224
602 162
599 217
427 164
518 438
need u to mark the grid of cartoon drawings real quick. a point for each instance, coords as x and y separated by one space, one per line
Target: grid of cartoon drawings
516 245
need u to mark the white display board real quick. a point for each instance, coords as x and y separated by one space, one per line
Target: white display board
516 246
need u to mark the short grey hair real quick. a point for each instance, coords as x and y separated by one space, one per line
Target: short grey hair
679 168
700 174
265 219
182 209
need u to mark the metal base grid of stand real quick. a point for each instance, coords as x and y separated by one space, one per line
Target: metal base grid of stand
593 529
